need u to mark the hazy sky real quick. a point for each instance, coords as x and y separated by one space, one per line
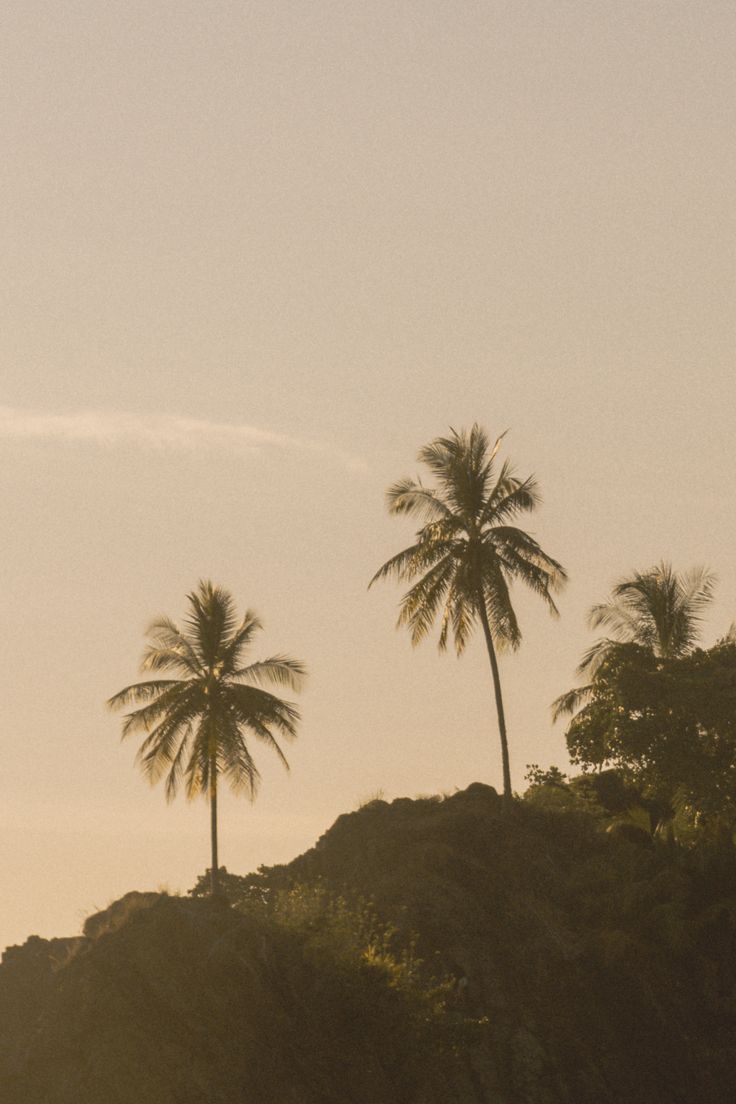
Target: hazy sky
255 255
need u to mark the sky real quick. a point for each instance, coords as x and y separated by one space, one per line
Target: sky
255 255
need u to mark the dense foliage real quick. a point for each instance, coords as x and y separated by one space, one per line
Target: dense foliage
658 709
670 723
436 951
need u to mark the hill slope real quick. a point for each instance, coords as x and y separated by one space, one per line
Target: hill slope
559 964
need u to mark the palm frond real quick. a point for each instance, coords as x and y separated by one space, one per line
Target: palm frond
509 498
461 608
158 658
535 579
410 561
622 621
696 589
409 496
239 767
165 637
251 704
141 692
263 733
179 708
166 742
462 464
698 586
232 648
177 765
181 696
280 670
594 656
524 559
501 616
211 621
496 447
658 608
419 606
197 772
571 701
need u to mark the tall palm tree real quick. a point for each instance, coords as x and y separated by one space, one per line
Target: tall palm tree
467 552
659 609
196 724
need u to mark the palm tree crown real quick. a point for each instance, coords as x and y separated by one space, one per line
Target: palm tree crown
468 551
659 609
197 724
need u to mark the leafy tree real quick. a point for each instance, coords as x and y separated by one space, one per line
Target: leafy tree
536 776
670 722
468 552
659 610
196 725
616 796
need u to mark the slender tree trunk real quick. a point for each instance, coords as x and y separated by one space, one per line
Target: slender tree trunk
507 793
215 869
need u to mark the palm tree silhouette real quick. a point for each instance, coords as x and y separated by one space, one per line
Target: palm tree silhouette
197 724
467 552
659 609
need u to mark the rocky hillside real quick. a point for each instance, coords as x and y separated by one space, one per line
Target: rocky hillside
424 951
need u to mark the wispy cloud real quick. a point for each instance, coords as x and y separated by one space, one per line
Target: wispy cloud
158 431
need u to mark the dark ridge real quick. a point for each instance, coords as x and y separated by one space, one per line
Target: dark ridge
560 964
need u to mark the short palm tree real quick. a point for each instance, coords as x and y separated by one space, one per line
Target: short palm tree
659 609
196 724
468 552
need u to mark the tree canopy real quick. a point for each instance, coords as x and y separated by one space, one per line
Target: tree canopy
669 721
